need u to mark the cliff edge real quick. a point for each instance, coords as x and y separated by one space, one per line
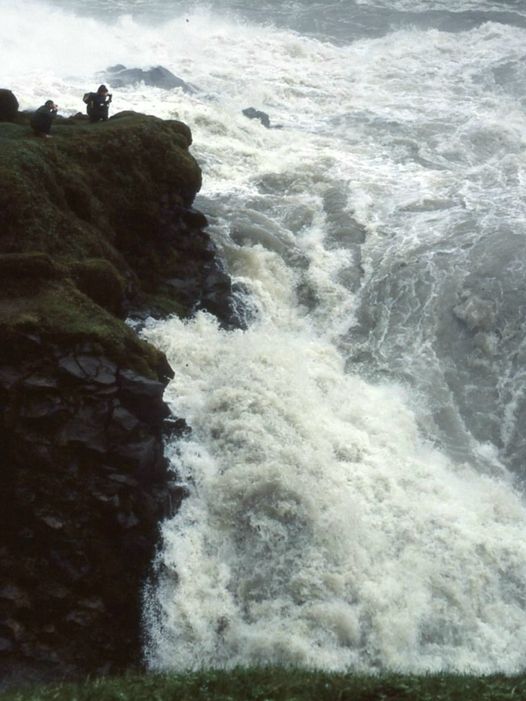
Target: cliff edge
95 222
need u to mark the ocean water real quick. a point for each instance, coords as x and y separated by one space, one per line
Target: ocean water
356 467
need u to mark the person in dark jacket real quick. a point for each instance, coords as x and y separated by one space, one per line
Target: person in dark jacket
42 119
98 104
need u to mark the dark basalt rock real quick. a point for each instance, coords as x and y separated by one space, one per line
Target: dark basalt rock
198 277
158 76
8 106
83 486
253 113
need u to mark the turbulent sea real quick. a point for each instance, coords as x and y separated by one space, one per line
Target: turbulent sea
356 470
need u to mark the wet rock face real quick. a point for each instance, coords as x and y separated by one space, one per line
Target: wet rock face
198 277
83 486
158 76
253 113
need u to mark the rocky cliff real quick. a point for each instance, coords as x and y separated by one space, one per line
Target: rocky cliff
95 222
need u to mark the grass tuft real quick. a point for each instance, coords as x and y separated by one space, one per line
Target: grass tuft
274 684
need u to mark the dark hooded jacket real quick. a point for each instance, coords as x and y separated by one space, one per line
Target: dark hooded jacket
97 105
42 119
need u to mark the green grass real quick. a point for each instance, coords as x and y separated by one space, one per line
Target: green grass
280 685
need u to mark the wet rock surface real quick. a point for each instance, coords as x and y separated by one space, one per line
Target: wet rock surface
83 486
198 277
158 76
253 113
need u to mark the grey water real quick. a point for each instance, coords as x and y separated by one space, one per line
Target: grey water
342 21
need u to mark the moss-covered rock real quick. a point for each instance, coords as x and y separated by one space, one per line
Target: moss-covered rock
119 192
99 280
93 222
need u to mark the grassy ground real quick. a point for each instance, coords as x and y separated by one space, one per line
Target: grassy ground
281 685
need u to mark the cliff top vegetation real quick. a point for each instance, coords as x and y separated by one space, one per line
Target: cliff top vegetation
79 224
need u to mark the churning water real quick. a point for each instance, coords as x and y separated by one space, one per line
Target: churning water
355 470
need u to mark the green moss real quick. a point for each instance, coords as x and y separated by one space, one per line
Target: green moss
282 685
79 220
11 131
92 184
99 279
61 315
27 267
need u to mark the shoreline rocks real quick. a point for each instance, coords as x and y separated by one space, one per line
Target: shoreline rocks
157 76
253 113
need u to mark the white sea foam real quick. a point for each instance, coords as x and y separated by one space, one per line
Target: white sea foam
320 530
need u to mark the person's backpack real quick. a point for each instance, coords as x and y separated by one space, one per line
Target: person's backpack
88 99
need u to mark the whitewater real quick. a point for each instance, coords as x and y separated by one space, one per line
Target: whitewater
355 470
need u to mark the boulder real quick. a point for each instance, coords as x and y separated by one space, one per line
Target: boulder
253 113
8 106
158 76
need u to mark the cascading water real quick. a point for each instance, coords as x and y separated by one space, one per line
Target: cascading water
355 466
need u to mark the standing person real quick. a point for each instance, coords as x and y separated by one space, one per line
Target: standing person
42 119
98 104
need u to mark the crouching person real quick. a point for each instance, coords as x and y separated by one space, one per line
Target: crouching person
98 104
42 119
